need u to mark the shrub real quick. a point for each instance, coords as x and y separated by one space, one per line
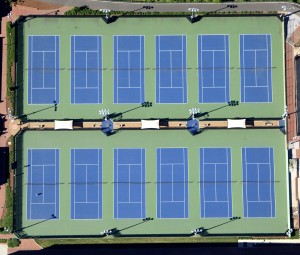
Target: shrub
13 242
10 33
8 217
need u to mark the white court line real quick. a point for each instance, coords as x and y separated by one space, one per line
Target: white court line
170 51
99 54
160 188
184 184
228 179
86 88
246 178
129 87
215 184
172 88
202 151
128 51
171 164
174 201
43 203
215 50
270 173
31 195
256 86
142 83
116 47
116 165
86 203
261 163
142 180
267 201
44 51
86 51
43 165
244 76
86 67
255 70
130 202
42 88
254 50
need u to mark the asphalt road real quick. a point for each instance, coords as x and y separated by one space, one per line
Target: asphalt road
179 7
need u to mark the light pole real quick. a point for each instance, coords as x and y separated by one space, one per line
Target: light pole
193 12
194 111
104 113
106 12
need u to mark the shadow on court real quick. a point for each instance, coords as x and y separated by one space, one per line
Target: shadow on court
24 116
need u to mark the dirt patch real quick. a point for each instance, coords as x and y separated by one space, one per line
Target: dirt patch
37 4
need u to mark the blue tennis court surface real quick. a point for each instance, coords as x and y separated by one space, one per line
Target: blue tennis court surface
128 69
43 184
43 69
86 70
86 183
213 62
215 183
258 182
129 187
256 68
171 86
172 182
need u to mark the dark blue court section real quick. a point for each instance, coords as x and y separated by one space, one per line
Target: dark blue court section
258 182
171 86
129 69
213 62
86 70
43 69
172 182
86 184
43 184
129 187
256 68
215 183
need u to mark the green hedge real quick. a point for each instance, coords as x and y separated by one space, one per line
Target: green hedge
83 10
13 242
7 220
10 33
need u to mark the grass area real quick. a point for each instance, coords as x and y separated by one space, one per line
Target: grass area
45 243
10 33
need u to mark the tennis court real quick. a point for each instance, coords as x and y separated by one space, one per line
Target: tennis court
43 184
256 68
172 183
90 182
86 183
43 69
129 183
86 70
258 178
213 68
128 69
215 182
171 86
